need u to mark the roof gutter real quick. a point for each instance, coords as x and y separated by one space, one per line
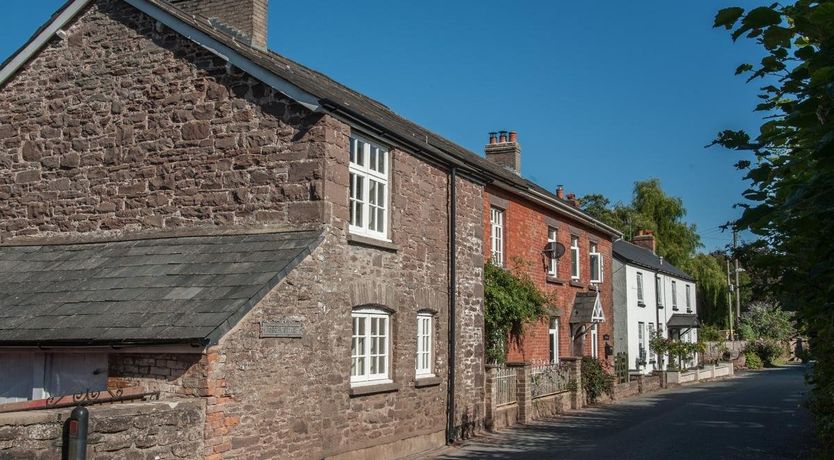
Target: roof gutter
95 343
566 208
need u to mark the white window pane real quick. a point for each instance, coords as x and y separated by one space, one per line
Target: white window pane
382 160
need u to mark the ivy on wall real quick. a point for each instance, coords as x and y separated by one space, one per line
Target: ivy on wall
511 299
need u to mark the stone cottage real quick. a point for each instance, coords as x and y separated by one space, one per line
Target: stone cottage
186 215
565 252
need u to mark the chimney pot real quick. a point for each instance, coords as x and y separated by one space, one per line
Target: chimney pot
503 153
513 136
560 192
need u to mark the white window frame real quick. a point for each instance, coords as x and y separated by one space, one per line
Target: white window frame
553 335
369 174
642 347
640 294
660 290
496 235
652 334
364 375
674 295
553 263
425 346
594 341
575 265
595 261
688 299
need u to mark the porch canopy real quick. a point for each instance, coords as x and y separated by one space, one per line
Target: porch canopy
587 308
151 291
683 321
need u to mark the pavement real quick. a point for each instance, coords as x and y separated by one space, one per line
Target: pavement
757 415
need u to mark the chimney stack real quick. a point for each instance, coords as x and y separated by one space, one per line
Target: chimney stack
506 151
572 200
245 19
645 239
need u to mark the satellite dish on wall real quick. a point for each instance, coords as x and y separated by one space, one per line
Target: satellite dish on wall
555 249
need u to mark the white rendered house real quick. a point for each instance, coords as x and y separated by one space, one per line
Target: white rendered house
650 296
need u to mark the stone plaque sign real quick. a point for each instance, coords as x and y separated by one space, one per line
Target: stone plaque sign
282 329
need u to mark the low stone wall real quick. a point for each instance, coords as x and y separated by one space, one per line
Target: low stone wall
505 416
147 430
550 405
709 372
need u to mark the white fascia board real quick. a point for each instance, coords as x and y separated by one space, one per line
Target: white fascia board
35 45
228 54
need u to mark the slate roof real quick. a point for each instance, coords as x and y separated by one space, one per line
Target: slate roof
682 320
356 106
583 307
167 290
638 255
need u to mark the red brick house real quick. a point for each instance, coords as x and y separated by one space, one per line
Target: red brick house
187 214
565 252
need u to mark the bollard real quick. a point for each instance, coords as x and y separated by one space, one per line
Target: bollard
77 433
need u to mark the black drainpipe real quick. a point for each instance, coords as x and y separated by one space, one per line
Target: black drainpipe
450 388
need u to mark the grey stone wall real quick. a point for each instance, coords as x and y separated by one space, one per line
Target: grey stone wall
124 431
121 128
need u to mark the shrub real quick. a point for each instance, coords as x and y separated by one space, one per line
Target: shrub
752 360
710 333
768 351
595 381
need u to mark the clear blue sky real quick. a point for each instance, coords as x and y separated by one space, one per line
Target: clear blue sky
602 94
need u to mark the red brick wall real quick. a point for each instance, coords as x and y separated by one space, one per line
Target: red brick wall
525 228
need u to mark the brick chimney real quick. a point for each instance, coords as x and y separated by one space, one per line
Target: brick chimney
504 150
246 19
645 239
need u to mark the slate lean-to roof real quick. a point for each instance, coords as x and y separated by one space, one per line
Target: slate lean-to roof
167 290
642 257
586 308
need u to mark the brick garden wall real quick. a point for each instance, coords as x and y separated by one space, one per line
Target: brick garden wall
121 431
173 375
526 226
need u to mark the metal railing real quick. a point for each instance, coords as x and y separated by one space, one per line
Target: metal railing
549 378
505 386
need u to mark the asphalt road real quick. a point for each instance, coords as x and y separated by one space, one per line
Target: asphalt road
758 415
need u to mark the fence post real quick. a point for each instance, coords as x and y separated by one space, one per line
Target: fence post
489 393
524 386
640 384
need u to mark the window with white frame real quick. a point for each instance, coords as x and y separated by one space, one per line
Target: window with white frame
370 347
688 299
640 299
641 341
424 344
553 334
659 290
595 259
574 257
497 235
674 295
368 189
652 334
553 262
595 341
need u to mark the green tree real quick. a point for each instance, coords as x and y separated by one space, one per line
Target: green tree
711 284
790 200
650 209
